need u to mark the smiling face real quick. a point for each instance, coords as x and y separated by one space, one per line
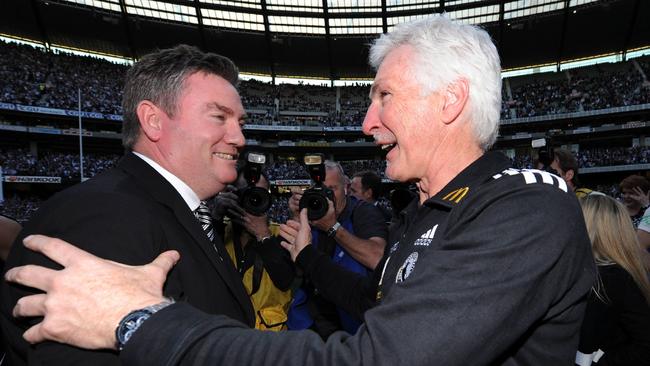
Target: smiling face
628 201
402 120
201 142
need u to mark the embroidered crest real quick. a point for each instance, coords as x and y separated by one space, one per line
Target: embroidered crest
407 268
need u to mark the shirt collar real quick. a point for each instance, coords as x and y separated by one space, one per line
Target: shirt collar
469 179
188 195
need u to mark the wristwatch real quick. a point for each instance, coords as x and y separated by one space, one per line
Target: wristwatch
133 320
331 232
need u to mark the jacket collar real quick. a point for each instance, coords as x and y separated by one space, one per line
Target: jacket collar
466 183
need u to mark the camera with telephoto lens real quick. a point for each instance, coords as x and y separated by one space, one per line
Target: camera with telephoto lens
314 199
255 200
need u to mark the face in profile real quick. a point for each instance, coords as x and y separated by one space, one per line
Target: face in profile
402 118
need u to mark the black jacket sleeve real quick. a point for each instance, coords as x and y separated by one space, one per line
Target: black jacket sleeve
277 262
351 291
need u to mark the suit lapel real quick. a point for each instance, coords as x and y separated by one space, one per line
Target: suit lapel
162 191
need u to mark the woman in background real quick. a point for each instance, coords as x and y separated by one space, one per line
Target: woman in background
616 328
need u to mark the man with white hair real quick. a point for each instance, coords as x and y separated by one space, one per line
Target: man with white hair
481 270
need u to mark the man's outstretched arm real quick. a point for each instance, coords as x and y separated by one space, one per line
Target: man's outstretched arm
85 310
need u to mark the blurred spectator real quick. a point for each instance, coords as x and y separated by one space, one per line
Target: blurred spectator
617 318
566 166
634 190
366 186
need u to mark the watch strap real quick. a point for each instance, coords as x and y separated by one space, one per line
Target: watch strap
331 232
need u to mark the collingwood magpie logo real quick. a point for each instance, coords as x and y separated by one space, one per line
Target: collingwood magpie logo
407 268
427 237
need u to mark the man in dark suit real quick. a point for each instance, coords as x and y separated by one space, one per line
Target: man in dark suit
182 133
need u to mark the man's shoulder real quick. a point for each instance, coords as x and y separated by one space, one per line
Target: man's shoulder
365 210
109 191
528 183
113 182
530 177
530 199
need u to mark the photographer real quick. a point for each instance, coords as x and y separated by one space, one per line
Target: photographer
366 186
251 243
353 234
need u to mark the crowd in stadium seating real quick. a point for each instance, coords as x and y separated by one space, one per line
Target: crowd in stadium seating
20 208
597 157
523 161
33 77
286 169
578 91
613 156
54 164
279 211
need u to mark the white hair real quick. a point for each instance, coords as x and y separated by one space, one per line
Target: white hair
446 51
333 165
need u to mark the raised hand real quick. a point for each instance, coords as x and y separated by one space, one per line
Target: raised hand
297 235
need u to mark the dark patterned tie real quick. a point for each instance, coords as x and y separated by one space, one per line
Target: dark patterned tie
202 214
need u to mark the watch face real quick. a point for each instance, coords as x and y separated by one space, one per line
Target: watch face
133 320
129 325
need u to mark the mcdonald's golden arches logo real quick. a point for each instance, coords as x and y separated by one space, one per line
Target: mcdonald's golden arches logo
456 195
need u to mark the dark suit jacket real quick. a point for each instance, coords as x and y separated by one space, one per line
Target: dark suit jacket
128 214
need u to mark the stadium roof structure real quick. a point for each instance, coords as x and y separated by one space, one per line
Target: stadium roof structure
325 39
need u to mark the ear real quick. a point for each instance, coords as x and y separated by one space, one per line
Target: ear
455 99
569 175
149 117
